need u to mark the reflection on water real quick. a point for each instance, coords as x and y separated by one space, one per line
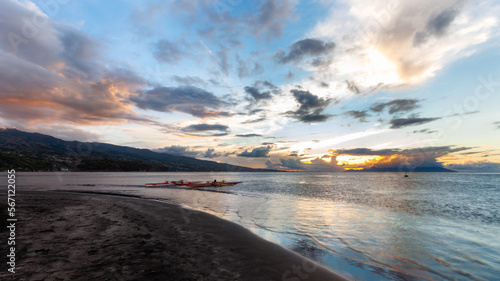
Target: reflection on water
369 226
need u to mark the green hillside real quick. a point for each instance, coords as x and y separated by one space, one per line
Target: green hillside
25 151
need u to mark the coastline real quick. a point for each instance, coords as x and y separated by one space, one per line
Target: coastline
75 236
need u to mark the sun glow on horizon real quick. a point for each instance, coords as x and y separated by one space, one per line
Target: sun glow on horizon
357 160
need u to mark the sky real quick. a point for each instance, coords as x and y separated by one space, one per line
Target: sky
290 85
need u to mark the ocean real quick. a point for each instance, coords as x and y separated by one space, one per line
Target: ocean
365 226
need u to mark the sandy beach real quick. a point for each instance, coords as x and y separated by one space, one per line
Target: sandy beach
75 236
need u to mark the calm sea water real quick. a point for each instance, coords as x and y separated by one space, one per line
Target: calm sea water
366 226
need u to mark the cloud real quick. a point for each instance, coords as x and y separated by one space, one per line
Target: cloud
286 164
64 73
249 135
437 25
396 106
210 153
262 151
308 48
476 166
311 107
202 112
168 52
248 68
179 150
405 122
394 157
403 43
261 91
186 99
222 60
352 86
254 120
320 165
206 130
361 115
424 131
497 124
189 80
270 20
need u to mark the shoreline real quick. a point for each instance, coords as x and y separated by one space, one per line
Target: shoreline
85 236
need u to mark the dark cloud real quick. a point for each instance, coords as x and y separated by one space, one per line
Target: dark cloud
168 52
253 111
205 127
271 18
80 53
210 153
286 164
308 100
206 130
321 62
261 91
307 48
361 115
189 80
320 165
256 94
405 122
187 99
497 124
396 106
179 150
437 25
311 107
262 151
324 85
254 120
249 135
202 112
424 131
352 86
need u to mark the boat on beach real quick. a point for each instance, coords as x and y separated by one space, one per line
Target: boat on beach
218 184
183 182
191 183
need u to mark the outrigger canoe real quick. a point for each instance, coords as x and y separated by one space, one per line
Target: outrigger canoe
183 182
166 183
214 184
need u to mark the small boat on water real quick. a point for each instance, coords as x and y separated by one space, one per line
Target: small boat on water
158 184
211 183
183 182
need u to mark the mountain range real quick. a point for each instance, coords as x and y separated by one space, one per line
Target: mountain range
24 151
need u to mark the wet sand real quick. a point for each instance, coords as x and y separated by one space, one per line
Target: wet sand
74 236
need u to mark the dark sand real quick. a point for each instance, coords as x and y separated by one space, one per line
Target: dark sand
72 236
